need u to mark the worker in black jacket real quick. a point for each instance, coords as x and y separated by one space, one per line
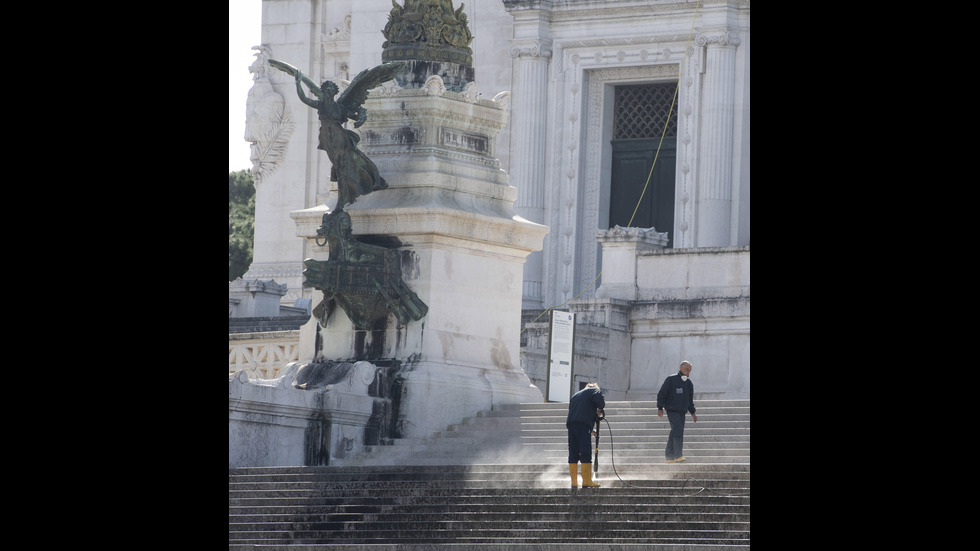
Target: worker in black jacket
582 416
677 397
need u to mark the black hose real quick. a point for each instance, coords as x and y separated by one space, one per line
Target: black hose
612 456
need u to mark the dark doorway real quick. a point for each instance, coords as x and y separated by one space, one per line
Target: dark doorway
641 111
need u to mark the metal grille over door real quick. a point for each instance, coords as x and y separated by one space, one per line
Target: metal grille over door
642 110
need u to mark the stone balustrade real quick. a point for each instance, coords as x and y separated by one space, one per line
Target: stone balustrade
262 355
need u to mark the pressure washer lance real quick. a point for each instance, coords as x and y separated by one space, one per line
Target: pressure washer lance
600 415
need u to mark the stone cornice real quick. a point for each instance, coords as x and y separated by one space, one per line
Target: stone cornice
523 5
619 234
567 10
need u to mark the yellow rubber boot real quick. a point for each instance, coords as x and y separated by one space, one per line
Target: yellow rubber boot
587 476
573 470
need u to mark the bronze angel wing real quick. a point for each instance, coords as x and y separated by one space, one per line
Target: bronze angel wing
357 91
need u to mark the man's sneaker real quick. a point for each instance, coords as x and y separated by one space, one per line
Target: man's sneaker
679 459
669 461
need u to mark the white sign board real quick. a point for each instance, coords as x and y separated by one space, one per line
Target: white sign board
561 348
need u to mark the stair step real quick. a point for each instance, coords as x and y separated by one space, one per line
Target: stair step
498 481
486 546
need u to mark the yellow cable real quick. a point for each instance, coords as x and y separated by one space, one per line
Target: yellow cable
667 122
655 157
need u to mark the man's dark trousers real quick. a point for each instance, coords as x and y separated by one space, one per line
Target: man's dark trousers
675 441
579 443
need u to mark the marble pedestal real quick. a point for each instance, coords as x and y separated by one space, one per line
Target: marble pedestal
449 210
273 422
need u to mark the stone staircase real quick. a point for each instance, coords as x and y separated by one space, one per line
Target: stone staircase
535 433
499 481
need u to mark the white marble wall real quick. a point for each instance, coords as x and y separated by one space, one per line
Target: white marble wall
691 304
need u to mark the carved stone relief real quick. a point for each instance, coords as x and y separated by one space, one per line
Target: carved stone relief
268 122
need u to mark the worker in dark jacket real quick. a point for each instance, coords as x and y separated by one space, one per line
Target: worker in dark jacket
677 397
582 416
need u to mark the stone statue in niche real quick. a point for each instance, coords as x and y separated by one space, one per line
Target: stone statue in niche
353 171
365 280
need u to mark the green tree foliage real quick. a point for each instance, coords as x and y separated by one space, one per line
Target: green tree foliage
241 222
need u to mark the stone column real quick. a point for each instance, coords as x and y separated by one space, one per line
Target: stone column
531 53
527 172
714 207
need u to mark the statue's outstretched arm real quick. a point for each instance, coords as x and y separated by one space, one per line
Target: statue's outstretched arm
302 95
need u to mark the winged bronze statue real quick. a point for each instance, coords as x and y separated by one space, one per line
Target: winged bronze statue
353 171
